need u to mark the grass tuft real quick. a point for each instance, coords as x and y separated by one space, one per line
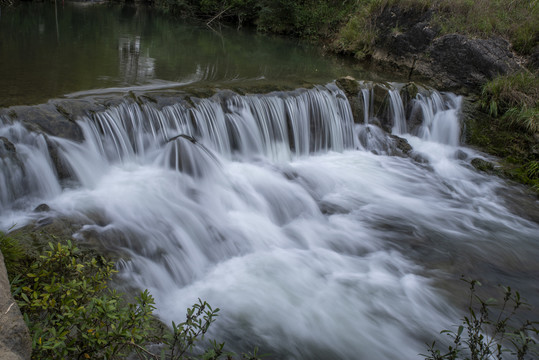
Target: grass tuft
514 98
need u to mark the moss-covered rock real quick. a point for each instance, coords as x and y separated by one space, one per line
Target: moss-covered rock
518 151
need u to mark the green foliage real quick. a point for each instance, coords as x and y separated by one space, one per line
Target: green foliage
305 18
357 36
182 8
518 20
72 314
515 98
12 251
488 332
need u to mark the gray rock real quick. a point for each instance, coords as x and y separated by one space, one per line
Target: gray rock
351 89
15 343
7 149
49 119
402 145
42 208
461 155
460 61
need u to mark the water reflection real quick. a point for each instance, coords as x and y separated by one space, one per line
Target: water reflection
136 65
79 46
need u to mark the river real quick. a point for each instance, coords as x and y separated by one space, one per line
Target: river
314 234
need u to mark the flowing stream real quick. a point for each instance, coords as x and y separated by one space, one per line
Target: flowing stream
318 236
313 238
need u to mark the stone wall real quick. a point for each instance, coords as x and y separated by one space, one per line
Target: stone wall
15 343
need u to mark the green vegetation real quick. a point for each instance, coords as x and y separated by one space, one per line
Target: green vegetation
516 20
313 19
489 332
351 26
510 132
514 98
306 18
73 314
13 254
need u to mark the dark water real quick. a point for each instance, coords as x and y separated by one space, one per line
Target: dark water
48 52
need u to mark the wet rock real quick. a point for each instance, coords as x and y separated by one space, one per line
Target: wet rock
461 155
46 118
378 141
401 144
7 149
381 106
351 89
413 114
420 158
9 157
60 165
15 342
42 208
349 85
482 165
328 208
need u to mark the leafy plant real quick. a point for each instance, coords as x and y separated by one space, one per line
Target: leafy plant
489 333
515 98
12 251
72 314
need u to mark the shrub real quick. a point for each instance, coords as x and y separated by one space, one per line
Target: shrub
307 18
489 333
515 98
357 36
72 314
13 253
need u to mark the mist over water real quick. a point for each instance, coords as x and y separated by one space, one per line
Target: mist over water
278 209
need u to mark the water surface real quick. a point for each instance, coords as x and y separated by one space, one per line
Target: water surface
48 51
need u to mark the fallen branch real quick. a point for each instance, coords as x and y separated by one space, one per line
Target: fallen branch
218 15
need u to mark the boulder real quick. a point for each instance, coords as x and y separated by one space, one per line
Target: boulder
351 89
409 42
459 61
15 343
7 149
49 119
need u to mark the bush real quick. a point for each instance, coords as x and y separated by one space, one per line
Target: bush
72 314
312 19
13 253
515 98
489 333
357 36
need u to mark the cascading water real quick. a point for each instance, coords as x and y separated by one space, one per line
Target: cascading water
277 209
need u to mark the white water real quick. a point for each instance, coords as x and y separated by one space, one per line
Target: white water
312 251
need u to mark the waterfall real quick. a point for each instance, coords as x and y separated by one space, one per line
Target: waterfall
283 212
27 171
366 96
397 112
437 113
